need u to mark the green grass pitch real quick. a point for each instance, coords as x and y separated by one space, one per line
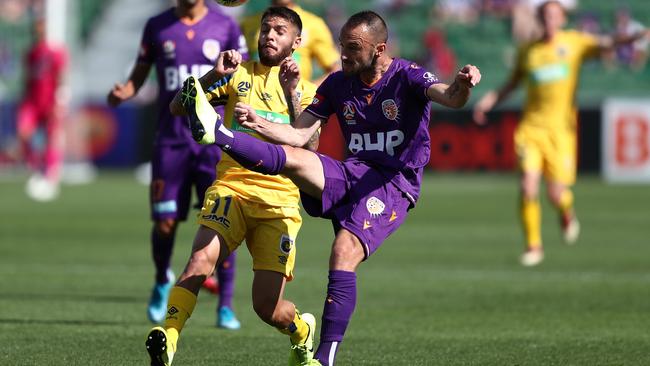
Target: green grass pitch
446 289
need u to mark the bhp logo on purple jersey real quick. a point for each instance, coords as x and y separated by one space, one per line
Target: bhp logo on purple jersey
377 141
175 75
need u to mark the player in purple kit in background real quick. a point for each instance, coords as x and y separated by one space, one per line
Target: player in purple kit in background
182 41
382 104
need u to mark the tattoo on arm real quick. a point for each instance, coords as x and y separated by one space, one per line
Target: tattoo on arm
293 102
453 90
312 144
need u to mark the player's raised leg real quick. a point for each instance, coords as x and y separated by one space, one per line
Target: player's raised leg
303 167
208 249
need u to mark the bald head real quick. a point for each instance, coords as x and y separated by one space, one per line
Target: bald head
374 23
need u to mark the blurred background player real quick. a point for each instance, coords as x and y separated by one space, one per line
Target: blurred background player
184 40
41 109
317 43
243 205
545 139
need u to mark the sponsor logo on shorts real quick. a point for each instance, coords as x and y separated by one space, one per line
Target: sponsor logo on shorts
286 244
218 219
282 259
375 206
165 207
393 216
390 109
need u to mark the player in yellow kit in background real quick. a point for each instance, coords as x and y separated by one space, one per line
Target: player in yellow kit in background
241 204
317 42
545 140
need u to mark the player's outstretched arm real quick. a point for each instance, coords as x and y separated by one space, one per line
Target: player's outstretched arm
494 97
226 64
609 42
123 92
297 134
456 94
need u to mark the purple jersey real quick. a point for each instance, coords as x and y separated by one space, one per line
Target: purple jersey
385 124
180 49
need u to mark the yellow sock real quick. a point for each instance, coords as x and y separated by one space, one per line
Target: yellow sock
298 330
179 308
566 203
531 217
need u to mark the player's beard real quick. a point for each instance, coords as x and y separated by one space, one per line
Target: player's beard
360 67
274 60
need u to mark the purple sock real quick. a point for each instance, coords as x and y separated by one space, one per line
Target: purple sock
339 305
252 153
161 249
226 277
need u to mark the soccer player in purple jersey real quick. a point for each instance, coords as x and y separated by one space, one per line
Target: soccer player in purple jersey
182 41
382 104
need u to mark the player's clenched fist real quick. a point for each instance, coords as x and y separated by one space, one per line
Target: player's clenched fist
227 62
469 75
244 114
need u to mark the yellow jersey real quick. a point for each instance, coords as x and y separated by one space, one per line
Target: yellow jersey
258 86
551 71
317 43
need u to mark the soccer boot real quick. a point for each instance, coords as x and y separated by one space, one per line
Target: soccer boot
202 117
570 229
157 307
303 354
532 257
226 319
160 349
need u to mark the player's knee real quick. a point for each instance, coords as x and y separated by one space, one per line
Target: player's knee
200 264
165 228
346 255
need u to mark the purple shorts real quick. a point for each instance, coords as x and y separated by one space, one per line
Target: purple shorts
360 199
174 170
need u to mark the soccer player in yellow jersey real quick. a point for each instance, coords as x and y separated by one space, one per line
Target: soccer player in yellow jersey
545 140
317 43
244 205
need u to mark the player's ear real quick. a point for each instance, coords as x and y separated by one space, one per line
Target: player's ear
296 42
380 49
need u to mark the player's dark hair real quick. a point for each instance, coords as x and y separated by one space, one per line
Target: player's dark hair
542 6
372 20
284 13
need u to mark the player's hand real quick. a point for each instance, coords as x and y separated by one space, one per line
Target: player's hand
119 94
483 106
227 62
289 75
468 76
245 115
479 115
